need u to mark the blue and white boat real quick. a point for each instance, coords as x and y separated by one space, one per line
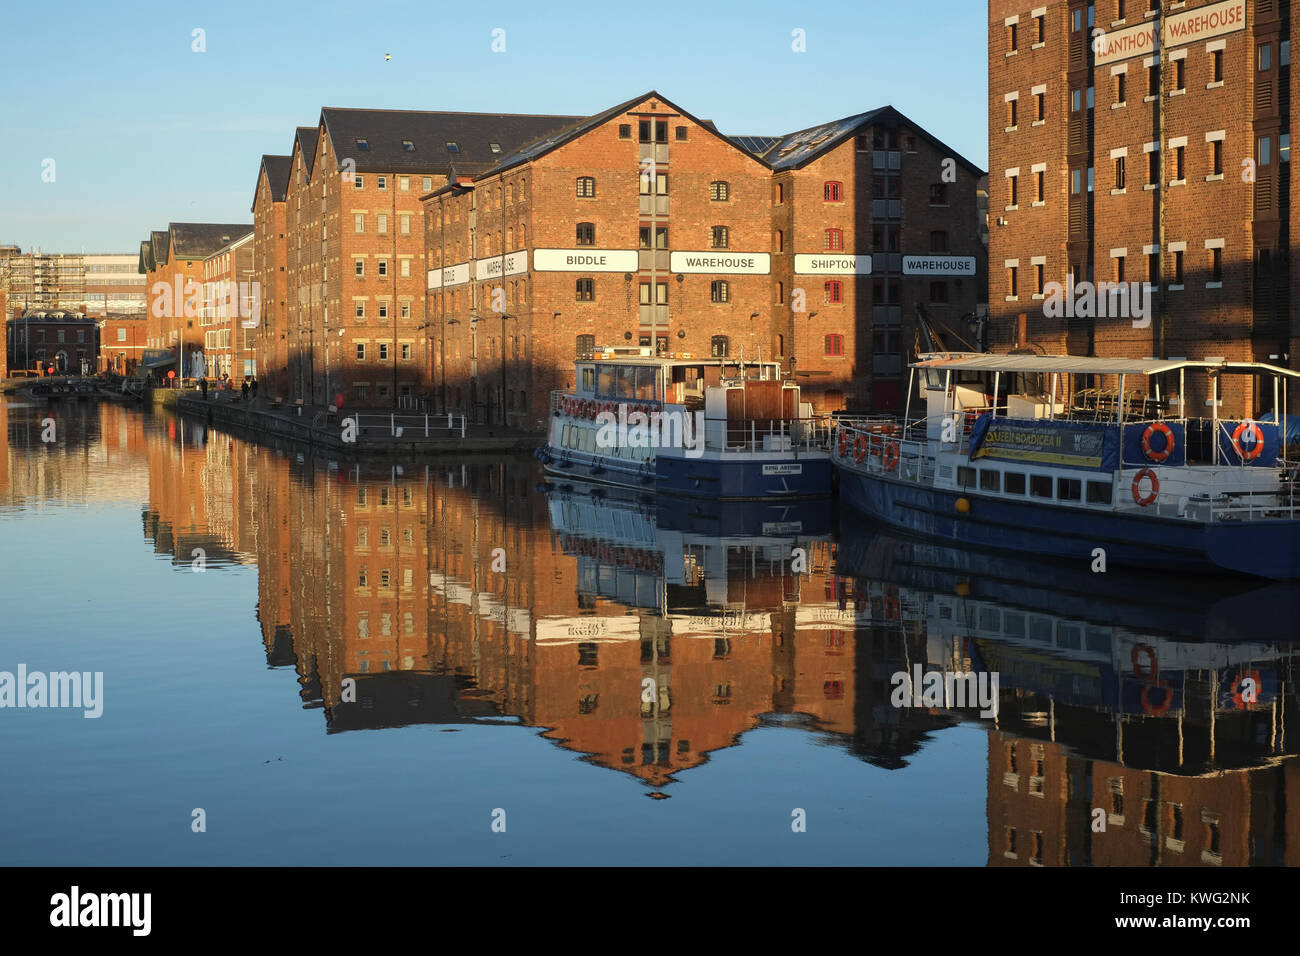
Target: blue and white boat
1062 457
719 428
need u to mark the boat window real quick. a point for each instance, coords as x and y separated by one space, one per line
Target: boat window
1069 489
1040 629
1097 639
645 384
965 477
1013 625
606 375
1070 637
564 436
1014 483
1040 486
933 379
588 379
627 382
1099 492
990 480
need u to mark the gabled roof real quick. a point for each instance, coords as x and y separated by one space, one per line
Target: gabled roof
276 169
145 264
581 126
158 238
198 240
376 140
305 139
799 149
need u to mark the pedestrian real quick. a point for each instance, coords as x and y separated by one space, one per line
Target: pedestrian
243 389
203 387
254 387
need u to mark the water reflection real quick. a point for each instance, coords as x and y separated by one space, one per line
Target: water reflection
645 637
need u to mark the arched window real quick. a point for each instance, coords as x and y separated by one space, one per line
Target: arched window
720 291
586 187
834 191
719 191
834 291
586 234
721 237
720 346
586 345
835 239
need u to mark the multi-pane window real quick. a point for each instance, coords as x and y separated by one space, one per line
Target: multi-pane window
383 351
586 234
586 290
587 343
358 181
381 182
359 267
1119 172
833 191
382 226
361 351
834 345
719 191
719 291
661 237
938 194
834 291
382 267
383 310
834 239
720 346
359 222
360 310
586 187
721 237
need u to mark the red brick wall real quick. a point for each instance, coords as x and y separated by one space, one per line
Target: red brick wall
269 271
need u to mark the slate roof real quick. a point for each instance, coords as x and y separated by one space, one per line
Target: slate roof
198 240
277 176
158 239
145 265
305 138
375 139
798 149
755 145
578 127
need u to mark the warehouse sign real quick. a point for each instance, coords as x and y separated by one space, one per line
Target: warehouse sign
938 265
452 275
1180 29
744 263
490 268
585 260
826 265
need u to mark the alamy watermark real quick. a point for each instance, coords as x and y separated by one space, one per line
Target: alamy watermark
1082 300
630 427
72 689
948 689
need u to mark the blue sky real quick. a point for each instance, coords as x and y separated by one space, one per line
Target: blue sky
143 130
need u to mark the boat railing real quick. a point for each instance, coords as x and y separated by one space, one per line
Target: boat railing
881 445
808 434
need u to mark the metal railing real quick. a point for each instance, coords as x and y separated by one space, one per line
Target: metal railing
395 426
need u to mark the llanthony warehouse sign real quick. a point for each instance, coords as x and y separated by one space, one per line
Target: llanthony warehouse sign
1182 28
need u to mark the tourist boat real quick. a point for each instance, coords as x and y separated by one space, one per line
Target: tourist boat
717 428
1058 456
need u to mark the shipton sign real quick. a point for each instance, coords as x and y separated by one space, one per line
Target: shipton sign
828 265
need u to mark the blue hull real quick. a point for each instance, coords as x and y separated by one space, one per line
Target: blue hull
1261 548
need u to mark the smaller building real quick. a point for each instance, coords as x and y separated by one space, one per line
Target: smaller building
122 343
231 310
44 341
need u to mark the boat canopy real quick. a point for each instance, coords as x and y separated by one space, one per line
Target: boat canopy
1085 365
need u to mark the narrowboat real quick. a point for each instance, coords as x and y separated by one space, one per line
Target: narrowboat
1087 459
719 428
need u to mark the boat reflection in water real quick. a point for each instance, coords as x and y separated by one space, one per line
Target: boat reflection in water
1165 716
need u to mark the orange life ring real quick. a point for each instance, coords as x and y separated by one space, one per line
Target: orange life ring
1237 699
1258 448
1137 487
844 442
860 448
1153 709
891 455
1154 672
1163 429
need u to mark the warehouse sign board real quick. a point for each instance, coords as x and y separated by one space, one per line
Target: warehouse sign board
1192 26
452 275
585 260
830 265
490 268
938 265
744 263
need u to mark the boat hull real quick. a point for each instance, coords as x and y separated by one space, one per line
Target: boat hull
1260 548
734 478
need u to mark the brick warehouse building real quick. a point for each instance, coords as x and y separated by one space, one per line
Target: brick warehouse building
170 260
1144 141
271 336
355 248
767 239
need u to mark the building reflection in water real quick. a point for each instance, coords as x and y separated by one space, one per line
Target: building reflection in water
644 638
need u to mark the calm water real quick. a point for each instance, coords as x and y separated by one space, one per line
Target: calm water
345 665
